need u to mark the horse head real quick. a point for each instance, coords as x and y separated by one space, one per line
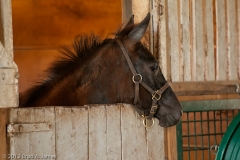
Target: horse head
153 87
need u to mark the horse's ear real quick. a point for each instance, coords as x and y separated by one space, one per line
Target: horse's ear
130 22
139 30
127 28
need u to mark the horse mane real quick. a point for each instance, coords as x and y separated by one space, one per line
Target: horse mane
83 47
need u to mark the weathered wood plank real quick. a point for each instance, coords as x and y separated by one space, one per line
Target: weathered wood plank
133 135
238 39
90 132
204 88
155 8
71 133
5 58
221 56
171 143
6 35
8 81
208 40
232 40
173 40
33 143
193 40
200 56
114 145
8 76
9 87
4 120
42 143
155 139
140 9
161 38
20 116
97 133
185 42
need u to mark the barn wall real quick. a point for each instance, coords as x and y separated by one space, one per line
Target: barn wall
197 45
202 39
40 28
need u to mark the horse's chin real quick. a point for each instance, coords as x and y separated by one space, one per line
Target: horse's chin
168 120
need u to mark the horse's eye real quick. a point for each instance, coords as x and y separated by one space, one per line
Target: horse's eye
154 68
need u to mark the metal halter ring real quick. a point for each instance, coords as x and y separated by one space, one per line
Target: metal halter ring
145 122
156 96
133 78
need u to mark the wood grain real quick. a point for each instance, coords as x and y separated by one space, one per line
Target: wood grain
88 132
185 43
209 41
36 143
97 133
232 40
114 135
221 56
204 88
134 144
71 133
173 40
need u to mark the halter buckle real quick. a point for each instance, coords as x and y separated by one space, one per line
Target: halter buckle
156 96
153 110
137 81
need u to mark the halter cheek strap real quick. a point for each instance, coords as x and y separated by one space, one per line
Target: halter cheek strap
137 79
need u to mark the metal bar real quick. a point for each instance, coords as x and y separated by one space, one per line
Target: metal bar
208 134
188 137
195 149
221 124
211 120
195 141
214 127
179 141
227 116
202 135
211 134
12 128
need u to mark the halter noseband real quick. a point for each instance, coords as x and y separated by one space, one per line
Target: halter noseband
137 79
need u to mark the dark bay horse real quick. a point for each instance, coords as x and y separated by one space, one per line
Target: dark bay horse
107 72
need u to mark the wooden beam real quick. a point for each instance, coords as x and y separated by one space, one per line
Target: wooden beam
204 88
209 105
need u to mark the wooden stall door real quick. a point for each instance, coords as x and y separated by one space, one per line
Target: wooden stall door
96 132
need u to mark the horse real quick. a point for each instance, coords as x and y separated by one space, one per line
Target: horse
113 70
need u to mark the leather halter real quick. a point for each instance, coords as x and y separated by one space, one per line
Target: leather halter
137 79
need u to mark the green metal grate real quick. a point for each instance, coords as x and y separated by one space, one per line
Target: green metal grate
203 127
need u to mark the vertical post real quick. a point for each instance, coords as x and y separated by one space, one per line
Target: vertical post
8 69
